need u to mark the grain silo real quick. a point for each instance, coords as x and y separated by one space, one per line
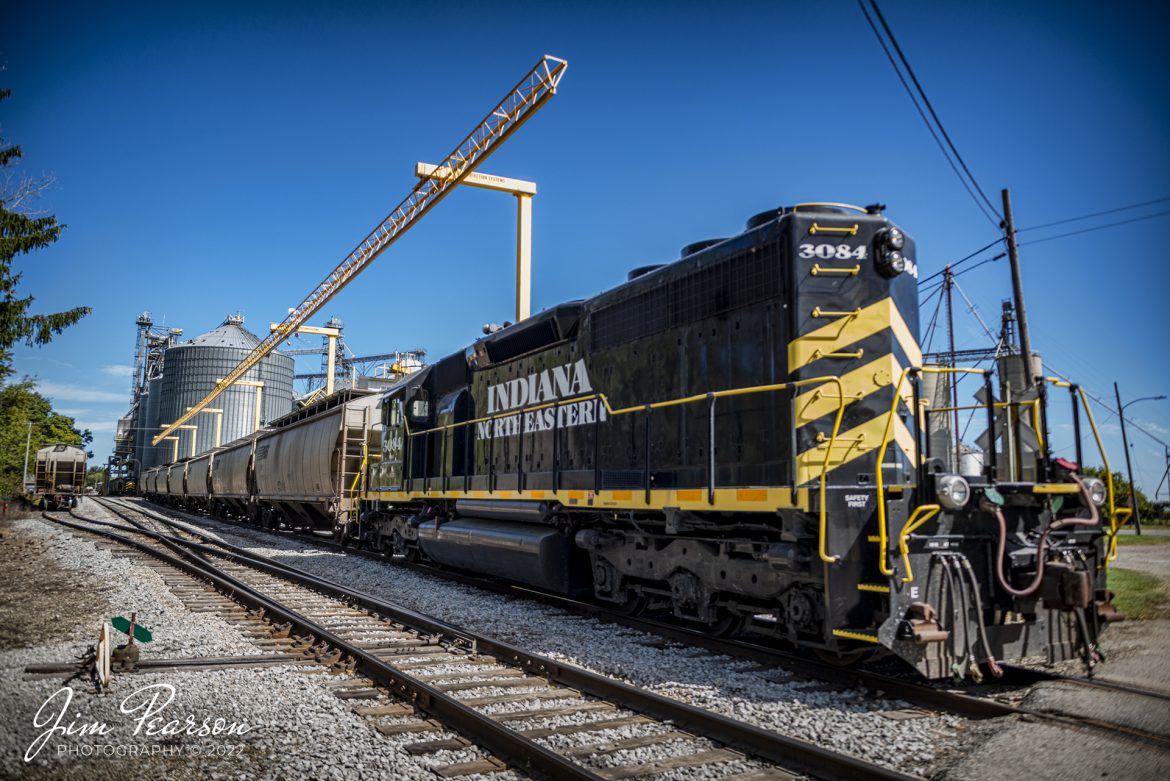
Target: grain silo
190 372
149 402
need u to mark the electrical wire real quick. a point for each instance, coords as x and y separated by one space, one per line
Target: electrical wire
962 260
930 329
1105 405
922 114
930 108
1097 227
1094 214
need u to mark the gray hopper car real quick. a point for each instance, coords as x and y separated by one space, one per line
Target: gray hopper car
60 476
304 471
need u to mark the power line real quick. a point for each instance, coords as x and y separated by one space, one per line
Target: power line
977 252
962 260
1097 227
1094 214
1105 405
930 107
922 114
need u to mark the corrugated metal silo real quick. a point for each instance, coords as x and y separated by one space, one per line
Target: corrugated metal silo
191 370
151 455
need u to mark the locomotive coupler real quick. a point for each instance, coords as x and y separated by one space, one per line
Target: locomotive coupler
921 625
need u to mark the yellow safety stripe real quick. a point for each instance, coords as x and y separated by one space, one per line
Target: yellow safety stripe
850 635
874 587
851 329
877 374
760 500
851 445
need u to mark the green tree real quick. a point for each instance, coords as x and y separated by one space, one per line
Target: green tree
21 405
1150 511
21 232
95 476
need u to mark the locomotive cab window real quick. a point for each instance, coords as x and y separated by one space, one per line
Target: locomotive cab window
392 412
420 407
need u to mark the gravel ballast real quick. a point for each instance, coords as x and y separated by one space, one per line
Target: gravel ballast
296 725
848 721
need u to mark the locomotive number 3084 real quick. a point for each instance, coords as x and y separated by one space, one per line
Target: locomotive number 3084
827 251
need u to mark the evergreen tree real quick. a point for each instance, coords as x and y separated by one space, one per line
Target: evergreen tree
22 232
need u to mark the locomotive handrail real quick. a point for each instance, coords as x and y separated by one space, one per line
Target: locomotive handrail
708 397
926 511
813 204
1116 514
1034 404
883 533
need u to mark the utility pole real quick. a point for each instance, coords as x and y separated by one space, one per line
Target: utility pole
948 285
1165 474
1137 519
1009 227
27 443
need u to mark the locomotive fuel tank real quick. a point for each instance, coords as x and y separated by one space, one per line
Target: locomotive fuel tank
540 556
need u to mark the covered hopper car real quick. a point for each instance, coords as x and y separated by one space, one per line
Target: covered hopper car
59 478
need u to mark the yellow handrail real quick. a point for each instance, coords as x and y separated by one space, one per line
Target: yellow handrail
822 547
360 472
883 533
926 511
1115 514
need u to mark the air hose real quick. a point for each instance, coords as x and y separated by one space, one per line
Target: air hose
992 665
1041 547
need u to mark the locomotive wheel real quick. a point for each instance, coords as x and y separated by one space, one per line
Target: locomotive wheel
844 658
634 605
726 625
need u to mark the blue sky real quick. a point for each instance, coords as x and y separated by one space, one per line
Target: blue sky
219 157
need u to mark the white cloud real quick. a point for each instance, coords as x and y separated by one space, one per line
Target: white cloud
61 392
70 411
118 370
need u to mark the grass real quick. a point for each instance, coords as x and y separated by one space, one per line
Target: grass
1138 595
1145 539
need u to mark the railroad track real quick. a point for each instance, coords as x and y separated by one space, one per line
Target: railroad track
454 688
921 694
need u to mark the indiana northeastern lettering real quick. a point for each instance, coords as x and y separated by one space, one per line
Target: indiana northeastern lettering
561 382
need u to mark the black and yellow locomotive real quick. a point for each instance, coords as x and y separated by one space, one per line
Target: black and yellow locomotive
737 438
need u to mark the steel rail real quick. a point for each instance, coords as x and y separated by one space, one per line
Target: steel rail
916 693
791 753
488 733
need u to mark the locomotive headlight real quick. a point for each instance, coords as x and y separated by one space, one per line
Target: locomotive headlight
953 491
1097 490
891 264
895 239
